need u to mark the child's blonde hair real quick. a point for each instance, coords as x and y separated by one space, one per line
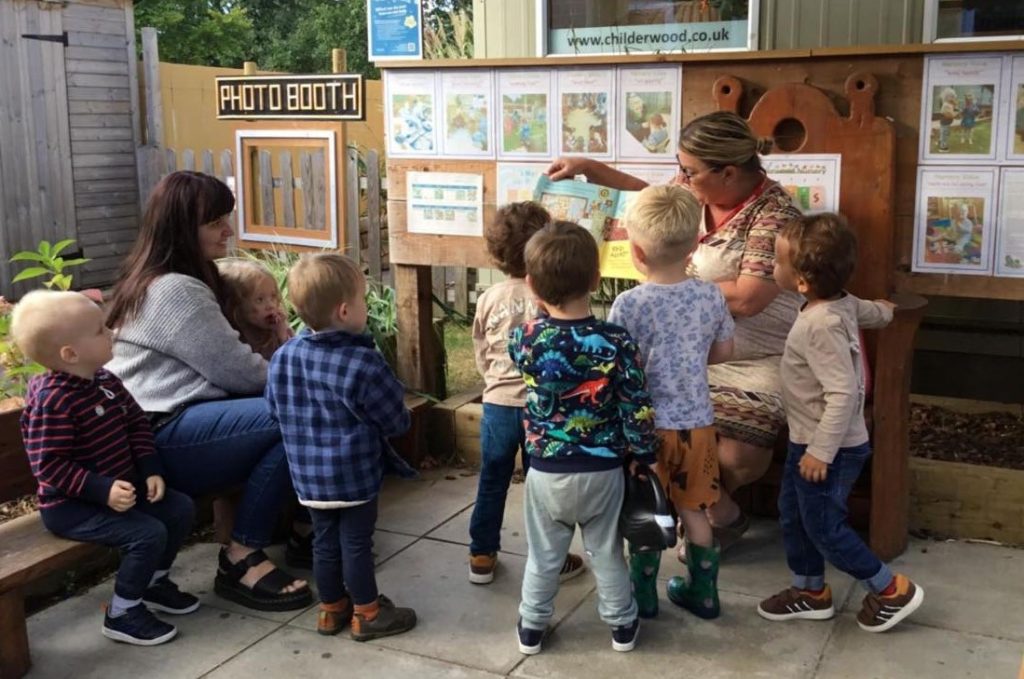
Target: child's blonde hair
664 221
43 321
241 276
318 283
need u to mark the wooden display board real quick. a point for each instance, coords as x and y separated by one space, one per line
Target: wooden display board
862 103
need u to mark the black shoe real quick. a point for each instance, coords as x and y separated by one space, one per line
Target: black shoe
624 638
164 596
138 626
298 552
390 620
529 639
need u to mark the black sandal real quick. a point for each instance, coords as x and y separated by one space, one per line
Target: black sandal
266 594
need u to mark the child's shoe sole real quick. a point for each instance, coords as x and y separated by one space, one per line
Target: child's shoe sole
481 578
153 606
822 614
911 606
128 639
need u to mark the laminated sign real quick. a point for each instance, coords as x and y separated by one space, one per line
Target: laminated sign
338 96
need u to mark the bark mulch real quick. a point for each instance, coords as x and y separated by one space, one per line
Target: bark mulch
992 439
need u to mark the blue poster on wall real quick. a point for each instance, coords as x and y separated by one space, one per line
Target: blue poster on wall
395 29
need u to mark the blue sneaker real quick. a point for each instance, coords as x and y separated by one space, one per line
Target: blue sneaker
138 626
164 596
624 637
529 639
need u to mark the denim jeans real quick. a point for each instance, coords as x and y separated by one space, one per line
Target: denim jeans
502 436
148 535
342 553
815 527
216 445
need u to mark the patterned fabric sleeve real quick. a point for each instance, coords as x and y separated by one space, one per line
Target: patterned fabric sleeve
726 326
765 223
635 409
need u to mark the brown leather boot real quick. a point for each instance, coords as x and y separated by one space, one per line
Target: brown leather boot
334 617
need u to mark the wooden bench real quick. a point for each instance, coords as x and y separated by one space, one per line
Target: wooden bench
28 552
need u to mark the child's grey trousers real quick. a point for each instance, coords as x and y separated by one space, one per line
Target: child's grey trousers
555 504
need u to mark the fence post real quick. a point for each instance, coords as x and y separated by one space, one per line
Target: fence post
351 228
148 156
287 189
267 216
373 235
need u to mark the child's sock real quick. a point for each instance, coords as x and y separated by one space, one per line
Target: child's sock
890 589
119 606
158 575
368 611
814 592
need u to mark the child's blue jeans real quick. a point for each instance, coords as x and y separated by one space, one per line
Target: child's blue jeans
815 527
502 436
343 553
148 535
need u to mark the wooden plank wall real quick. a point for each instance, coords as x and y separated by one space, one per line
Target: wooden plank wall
100 93
36 193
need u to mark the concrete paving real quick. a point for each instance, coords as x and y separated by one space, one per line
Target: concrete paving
971 623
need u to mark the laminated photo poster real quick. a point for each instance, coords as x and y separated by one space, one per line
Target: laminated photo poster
524 100
586 114
410 108
466 130
960 109
953 226
649 113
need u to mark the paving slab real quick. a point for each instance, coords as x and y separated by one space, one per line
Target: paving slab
459 622
756 566
738 644
415 507
969 587
66 641
910 650
294 652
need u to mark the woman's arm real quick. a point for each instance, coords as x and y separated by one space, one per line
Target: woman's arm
748 295
596 172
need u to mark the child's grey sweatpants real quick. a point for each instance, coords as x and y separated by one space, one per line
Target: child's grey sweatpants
555 504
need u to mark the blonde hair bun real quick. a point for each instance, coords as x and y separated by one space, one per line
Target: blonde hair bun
764 145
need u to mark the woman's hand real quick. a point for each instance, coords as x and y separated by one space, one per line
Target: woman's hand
566 168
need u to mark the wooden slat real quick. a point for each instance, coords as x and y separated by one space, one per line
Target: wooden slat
103 146
74 24
92 107
208 162
100 10
102 186
106 211
188 160
110 249
961 286
104 67
103 160
99 133
89 173
419 348
98 94
102 80
266 189
106 224
95 53
170 160
87 120
318 189
108 236
226 166
284 159
102 40
373 235
106 198
154 100
28 551
350 231
306 174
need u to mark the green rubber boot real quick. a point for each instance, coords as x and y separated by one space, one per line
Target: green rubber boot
700 594
643 571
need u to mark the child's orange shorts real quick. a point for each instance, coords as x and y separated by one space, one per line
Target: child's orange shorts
688 467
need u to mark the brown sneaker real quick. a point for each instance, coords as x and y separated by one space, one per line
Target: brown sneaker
390 620
481 568
334 617
572 567
797 604
879 613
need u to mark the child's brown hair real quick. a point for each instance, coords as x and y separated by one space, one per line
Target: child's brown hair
318 283
562 262
507 235
823 251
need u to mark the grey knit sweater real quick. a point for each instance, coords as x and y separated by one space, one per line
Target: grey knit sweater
180 348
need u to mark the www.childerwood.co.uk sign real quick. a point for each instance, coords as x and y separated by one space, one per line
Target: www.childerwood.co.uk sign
332 97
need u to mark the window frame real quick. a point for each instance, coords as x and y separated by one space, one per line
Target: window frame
930 29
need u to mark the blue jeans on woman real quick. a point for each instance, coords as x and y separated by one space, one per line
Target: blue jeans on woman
343 553
502 436
815 527
216 445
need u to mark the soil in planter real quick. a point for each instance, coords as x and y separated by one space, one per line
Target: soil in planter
992 439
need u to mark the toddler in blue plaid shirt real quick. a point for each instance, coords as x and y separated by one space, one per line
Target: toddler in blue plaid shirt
338 402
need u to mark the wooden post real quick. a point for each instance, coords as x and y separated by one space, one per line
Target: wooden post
154 104
419 348
890 476
339 60
248 68
14 656
461 303
351 216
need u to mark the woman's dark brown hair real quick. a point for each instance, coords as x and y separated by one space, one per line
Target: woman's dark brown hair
168 241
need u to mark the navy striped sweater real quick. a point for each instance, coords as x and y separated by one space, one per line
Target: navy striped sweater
82 435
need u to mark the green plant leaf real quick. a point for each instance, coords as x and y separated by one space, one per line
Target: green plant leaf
75 262
31 272
59 247
44 248
62 281
28 256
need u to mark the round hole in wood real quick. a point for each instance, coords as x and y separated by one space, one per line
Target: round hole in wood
726 89
861 84
789 134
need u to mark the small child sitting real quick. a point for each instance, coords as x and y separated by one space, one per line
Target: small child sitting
337 402
681 324
823 391
255 305
657 139
499 309
587 409
92 452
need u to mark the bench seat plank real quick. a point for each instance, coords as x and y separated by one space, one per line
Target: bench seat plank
28 551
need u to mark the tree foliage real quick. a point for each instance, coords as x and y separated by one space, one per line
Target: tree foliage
295 36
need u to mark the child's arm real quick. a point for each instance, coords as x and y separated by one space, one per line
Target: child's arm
49 437
720 352
722 347
876 314
635 408
829 358
480 340
140 434
380 399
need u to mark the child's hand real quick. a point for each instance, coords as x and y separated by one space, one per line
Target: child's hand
155 488
282 332
887 303
812 469
122 496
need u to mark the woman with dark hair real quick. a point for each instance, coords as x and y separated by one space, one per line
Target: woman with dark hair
201 385
743 211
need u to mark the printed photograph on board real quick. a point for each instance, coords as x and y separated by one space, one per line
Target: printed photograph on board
585 113
955 228
467 114
648 113
411 113
962 119
524 98
961 116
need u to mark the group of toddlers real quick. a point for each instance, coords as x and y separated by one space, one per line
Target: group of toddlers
587 401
